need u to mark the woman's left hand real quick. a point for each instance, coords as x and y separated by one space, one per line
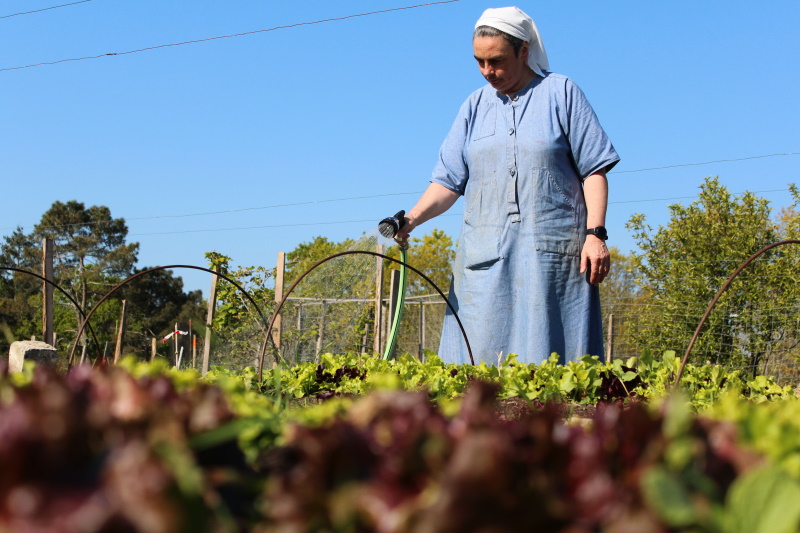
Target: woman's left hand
596 258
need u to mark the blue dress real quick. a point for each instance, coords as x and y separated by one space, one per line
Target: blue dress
520 163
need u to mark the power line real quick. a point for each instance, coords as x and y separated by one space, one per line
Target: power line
688 197
703 163
229 36
44 9
311 202
324 223
350 198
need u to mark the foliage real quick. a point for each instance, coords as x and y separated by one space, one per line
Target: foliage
100 451
91 256
20 295
145 448
433 255
157 302
89 245
687 261
239 326
624 297
587 382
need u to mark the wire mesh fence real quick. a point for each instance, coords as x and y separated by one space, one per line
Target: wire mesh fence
338 312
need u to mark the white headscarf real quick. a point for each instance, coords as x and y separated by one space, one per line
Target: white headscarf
514 21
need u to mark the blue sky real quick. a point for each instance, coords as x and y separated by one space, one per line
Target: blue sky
254 144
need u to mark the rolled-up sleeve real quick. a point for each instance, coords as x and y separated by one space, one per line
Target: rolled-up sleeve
591 148
451 169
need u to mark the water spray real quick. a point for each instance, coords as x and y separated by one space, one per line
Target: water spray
388 227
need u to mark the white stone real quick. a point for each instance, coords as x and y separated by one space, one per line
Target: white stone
38 351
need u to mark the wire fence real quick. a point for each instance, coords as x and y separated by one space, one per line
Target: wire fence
763 337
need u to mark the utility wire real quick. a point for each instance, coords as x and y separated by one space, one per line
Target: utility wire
229 36
333 200
44 9
311 202
703 163
325 223
688 197
340 200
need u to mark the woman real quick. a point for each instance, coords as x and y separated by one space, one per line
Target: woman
530 157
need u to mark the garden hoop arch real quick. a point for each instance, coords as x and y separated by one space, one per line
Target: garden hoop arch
334 256
61 290
148 271
716 298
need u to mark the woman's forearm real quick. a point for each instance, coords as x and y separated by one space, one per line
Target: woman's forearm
595 192
434 201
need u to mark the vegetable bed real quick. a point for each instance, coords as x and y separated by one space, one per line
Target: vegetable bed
358 444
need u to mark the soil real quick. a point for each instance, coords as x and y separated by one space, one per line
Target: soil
513 408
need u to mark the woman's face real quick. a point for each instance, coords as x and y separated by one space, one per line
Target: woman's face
506 72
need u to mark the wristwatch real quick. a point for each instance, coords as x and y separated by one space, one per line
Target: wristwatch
599 232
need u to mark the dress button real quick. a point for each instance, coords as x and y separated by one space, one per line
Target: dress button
511 131
513 172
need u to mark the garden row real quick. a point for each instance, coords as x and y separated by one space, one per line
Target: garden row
358 444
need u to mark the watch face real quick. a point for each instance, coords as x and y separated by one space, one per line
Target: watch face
599 231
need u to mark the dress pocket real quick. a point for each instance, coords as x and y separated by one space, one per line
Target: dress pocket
556 214
485 123
483 227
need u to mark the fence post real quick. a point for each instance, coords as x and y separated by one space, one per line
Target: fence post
377 327
365 338
421 328
153 344
47 292
212 303
610 343
120 333
279 272
321 331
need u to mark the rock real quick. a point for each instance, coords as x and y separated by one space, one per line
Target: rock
38 351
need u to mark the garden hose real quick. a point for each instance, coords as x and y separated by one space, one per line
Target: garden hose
389 227
391 342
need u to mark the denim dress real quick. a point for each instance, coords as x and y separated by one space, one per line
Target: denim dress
520 163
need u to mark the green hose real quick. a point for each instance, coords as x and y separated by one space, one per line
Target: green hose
391 342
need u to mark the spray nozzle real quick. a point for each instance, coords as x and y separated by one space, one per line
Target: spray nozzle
389 226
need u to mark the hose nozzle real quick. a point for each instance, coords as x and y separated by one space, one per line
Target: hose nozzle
389 226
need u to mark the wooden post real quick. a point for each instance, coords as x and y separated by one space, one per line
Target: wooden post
421 335
610 343
299 346
212 303
153 344
377 326
47 292
194 349
424 321
175 343
394 291
365 338
120 334
279 271
321 331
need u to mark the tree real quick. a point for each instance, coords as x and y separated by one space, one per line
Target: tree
20 312
433 255
622 296
157 302
686 262
91 256
238 328
89 245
